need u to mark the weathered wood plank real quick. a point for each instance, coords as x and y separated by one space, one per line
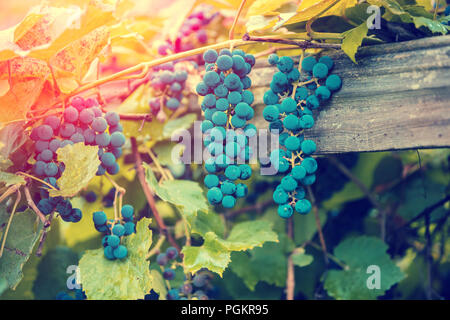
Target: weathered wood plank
396 97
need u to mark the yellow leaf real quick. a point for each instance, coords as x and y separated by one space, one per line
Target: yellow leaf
263 7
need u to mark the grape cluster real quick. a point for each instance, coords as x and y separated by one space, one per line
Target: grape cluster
168 82
190 33
227 108
289 104
82 122
114 231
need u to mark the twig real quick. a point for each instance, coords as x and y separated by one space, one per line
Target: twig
318 225
290 278
273 50
137 117
43 237
35 208
300 44
427 211
156 248
9 192
428 256
256 207
236 18
330 256
5 234
149 195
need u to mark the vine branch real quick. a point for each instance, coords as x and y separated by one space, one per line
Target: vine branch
149 195
304 44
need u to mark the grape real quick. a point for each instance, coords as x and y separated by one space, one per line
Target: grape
232 149
288 183
320 70
173 294
172 103
101 170
323 93
87 116
237 122
78 103
310 165
271 113
113 241
130 228
71 114
232 81
298 172
293 75
228 201
162 259
308 146
169 274
51 169
99 124
120 252
306 121
211 79
114 169
210 56
333 82
41 146
289 105
109 253
172 253
127 212
45 206
64 208
241 190
53 122
280 196
214 195
112 118
211 181
234 97
303 206
285 64
270 98
291 122
292 143
246 171
90 197
45 132
326 60
75 215
273 59
285 211
312 102
308 63
202 89
232 172
77 138
224 62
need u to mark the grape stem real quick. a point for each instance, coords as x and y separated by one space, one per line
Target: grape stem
149 195
9 192
5 234
43 237
35 208
290 278
233 26
318 225
301 44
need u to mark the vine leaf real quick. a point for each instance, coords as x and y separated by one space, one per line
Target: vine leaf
127 279
353 39
186 195
22 236
212 255
301 259
359 253
81 164
158 284
215 252
9 179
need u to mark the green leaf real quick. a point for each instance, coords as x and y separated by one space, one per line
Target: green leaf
250 234
22 236
130 278
164 151
9 179
187 195
158 284
301 259
212 255
359 253
432 25
3 285
353 40
52 272
205 222
81 164
178 124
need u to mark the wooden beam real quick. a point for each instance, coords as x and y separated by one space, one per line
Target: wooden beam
397 97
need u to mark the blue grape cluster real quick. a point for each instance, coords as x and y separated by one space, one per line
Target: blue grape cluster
83 121
168 82
115 231
48 204
227 108
289 113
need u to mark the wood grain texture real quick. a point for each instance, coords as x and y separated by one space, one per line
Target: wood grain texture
397 97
